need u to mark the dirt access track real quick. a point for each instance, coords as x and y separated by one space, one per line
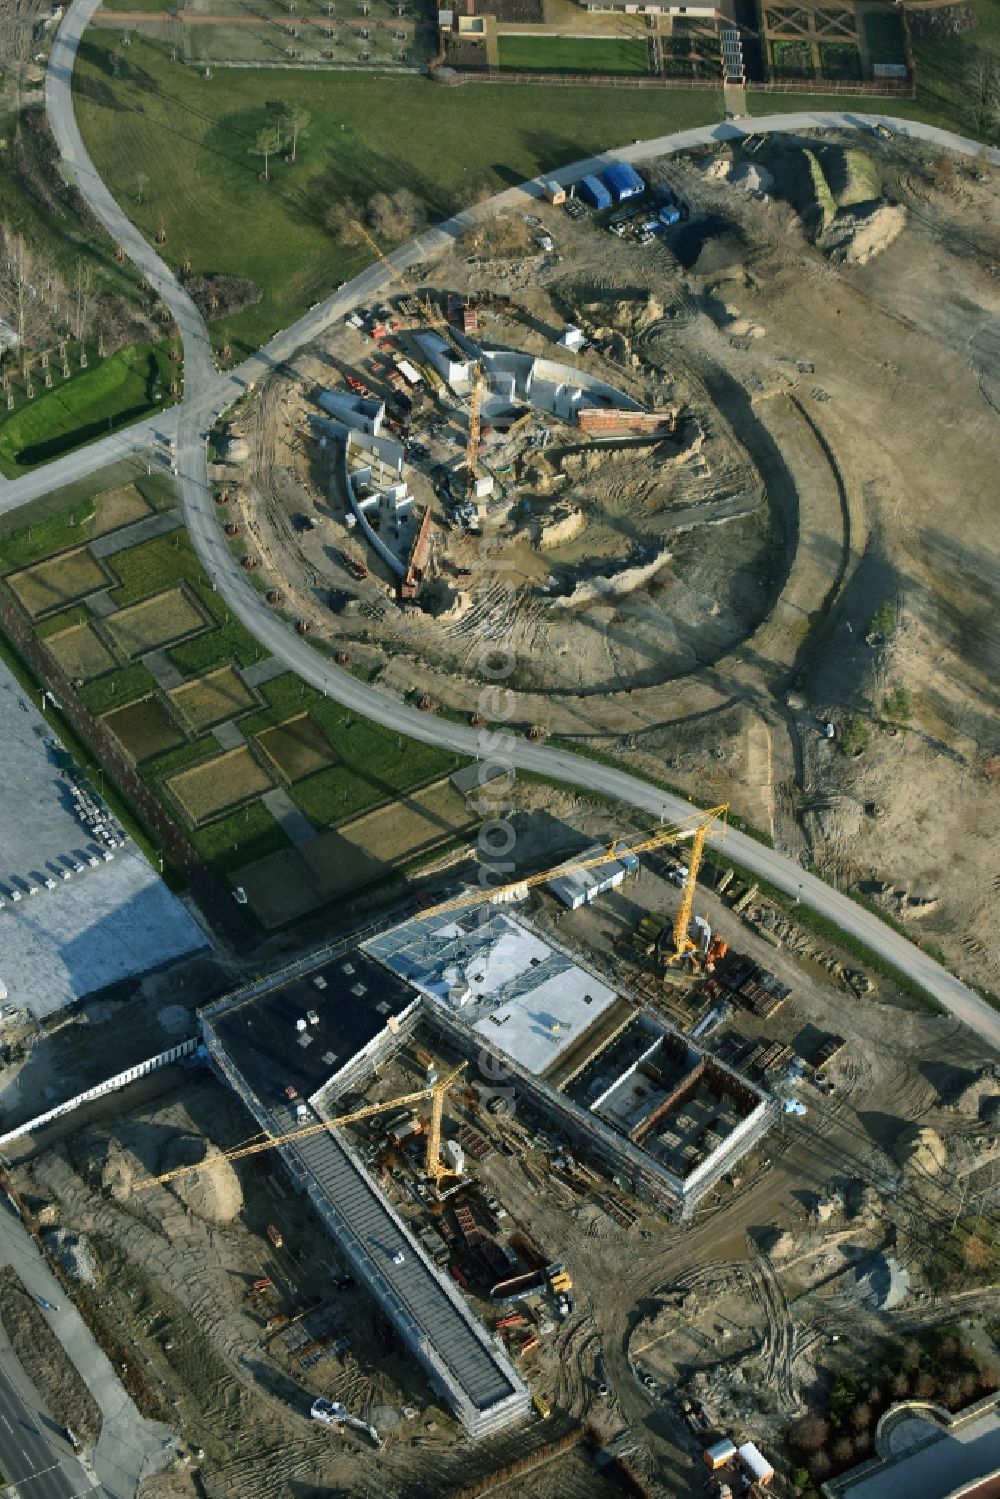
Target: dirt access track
807 568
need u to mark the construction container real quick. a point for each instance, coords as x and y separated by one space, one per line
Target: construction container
623 182
756 1463
593 191
553 191
719 1454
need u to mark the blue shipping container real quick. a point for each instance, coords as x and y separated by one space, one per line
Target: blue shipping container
623 182
670 215
593 191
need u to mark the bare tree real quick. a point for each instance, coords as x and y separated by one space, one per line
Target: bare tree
395 216
341 220
267 143
298 123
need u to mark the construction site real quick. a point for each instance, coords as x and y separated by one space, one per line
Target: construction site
624 438
610 1169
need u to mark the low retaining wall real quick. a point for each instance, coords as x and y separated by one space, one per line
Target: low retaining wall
110 1085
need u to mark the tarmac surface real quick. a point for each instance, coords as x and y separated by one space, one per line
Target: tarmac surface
128 1448
208 395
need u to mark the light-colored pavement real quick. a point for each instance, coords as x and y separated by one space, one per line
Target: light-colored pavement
129 1447
36 1458
207 396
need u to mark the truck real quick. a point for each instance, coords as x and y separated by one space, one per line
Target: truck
275 1235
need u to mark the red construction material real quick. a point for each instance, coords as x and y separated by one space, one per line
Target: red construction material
600 421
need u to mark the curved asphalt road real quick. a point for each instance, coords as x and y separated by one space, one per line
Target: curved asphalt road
208 395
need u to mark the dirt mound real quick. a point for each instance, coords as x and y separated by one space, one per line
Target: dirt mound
980 1099
120 1171
857 235
214 1192
920 1149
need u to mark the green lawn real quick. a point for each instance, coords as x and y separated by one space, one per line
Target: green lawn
573 54
116 688
193 138
112 391
374 766
884 36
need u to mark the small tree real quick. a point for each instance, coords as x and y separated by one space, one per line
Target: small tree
267 143
884 619
861 1416
910 1353
943 171
141 184
808 1434
341 221
298 124
897 705
854 735
977 1253
842 1450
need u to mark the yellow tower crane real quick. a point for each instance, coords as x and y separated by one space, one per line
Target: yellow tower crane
475 410
435 1168
698 830
434 318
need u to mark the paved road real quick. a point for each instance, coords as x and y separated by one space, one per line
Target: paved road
129 1447
36 1460
207 395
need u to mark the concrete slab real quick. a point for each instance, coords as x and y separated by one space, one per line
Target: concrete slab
101 604
295 822
138 531
229 735
263 671
162 669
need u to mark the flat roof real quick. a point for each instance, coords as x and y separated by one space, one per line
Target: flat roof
352 998
962 1455
501 978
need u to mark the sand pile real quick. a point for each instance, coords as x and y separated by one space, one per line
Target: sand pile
857 235
749 175
213 1192
981 1098
920 1148
121 1171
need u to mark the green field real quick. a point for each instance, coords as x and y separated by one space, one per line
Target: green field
573 54
111 392
884 36
194 138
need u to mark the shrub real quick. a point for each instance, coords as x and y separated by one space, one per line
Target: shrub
842 1451
884 619
897 705
222 296
854 735
808 1433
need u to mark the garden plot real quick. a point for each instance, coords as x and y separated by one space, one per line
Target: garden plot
212 698
80 652
116 508
297 748
216 786
58 581
145 728
280 888
372 846
161 620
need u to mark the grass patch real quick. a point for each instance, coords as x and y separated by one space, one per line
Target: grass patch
219 785
193 137
154 622
144 728
54 624
297 748
58 581
573 54
230 842
111 392
824 201
883 36
117 688
81 652
211 699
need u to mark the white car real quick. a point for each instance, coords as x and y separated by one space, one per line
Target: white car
398 1257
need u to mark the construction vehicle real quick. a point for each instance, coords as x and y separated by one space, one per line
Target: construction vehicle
354 565
332 1413
434 1167
698 831
275 1235
542 1405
